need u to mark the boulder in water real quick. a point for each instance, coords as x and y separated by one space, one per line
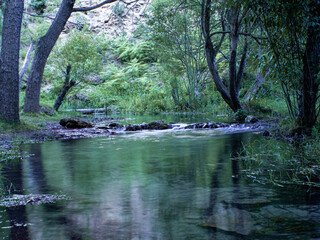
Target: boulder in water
115 125
74 123
231 219
157 125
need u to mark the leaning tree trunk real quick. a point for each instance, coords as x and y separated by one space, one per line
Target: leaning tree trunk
43 49
311 72
230 95
26 61
66 87
9 60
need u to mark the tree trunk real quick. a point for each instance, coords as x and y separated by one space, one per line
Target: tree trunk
26 61
43 49
9 60
254 88
230 95
211 52
311 71
66 87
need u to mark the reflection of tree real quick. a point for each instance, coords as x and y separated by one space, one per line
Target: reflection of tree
16 215
223 215
36 171
39 184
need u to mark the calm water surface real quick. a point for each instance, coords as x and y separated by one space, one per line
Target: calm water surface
153 185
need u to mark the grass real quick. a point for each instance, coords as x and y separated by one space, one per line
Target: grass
282 163
32 121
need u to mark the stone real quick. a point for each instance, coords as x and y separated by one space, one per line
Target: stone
251 119
157 125
74 123
115 125
47 110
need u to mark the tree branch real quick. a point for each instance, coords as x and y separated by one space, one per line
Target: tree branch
34 15
45 16
84 9
254 37
241 33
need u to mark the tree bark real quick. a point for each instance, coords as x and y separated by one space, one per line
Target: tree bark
43 49
9 60
230 95
311 71
26 61
66 87
254 88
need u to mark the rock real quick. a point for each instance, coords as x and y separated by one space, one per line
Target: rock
74 123
251 119
47 110
130 128
157 125
115 125
201 125
231 219
266 133
94 79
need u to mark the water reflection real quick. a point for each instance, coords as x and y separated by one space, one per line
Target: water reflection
173 185
16 216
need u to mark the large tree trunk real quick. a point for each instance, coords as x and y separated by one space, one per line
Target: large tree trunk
311 71
9 60
43 49
66 87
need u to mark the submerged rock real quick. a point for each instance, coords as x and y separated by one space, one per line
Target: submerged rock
74 123
231 219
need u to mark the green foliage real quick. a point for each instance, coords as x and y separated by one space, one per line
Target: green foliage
130 50
38 5
175 34
81 51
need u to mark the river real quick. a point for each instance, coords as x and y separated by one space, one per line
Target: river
183 184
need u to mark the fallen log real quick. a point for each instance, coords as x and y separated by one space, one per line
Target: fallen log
89 110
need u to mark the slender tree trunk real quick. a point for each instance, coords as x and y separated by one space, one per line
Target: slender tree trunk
43 49
9 60
26 61
254 88
211 52
66 87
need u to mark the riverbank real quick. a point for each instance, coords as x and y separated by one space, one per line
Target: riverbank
37 129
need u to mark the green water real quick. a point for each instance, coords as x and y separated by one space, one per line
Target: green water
153 185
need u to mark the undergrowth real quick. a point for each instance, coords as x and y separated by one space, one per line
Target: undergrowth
283 163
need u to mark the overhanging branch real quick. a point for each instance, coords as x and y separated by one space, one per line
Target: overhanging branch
44 16
84 9
244 34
